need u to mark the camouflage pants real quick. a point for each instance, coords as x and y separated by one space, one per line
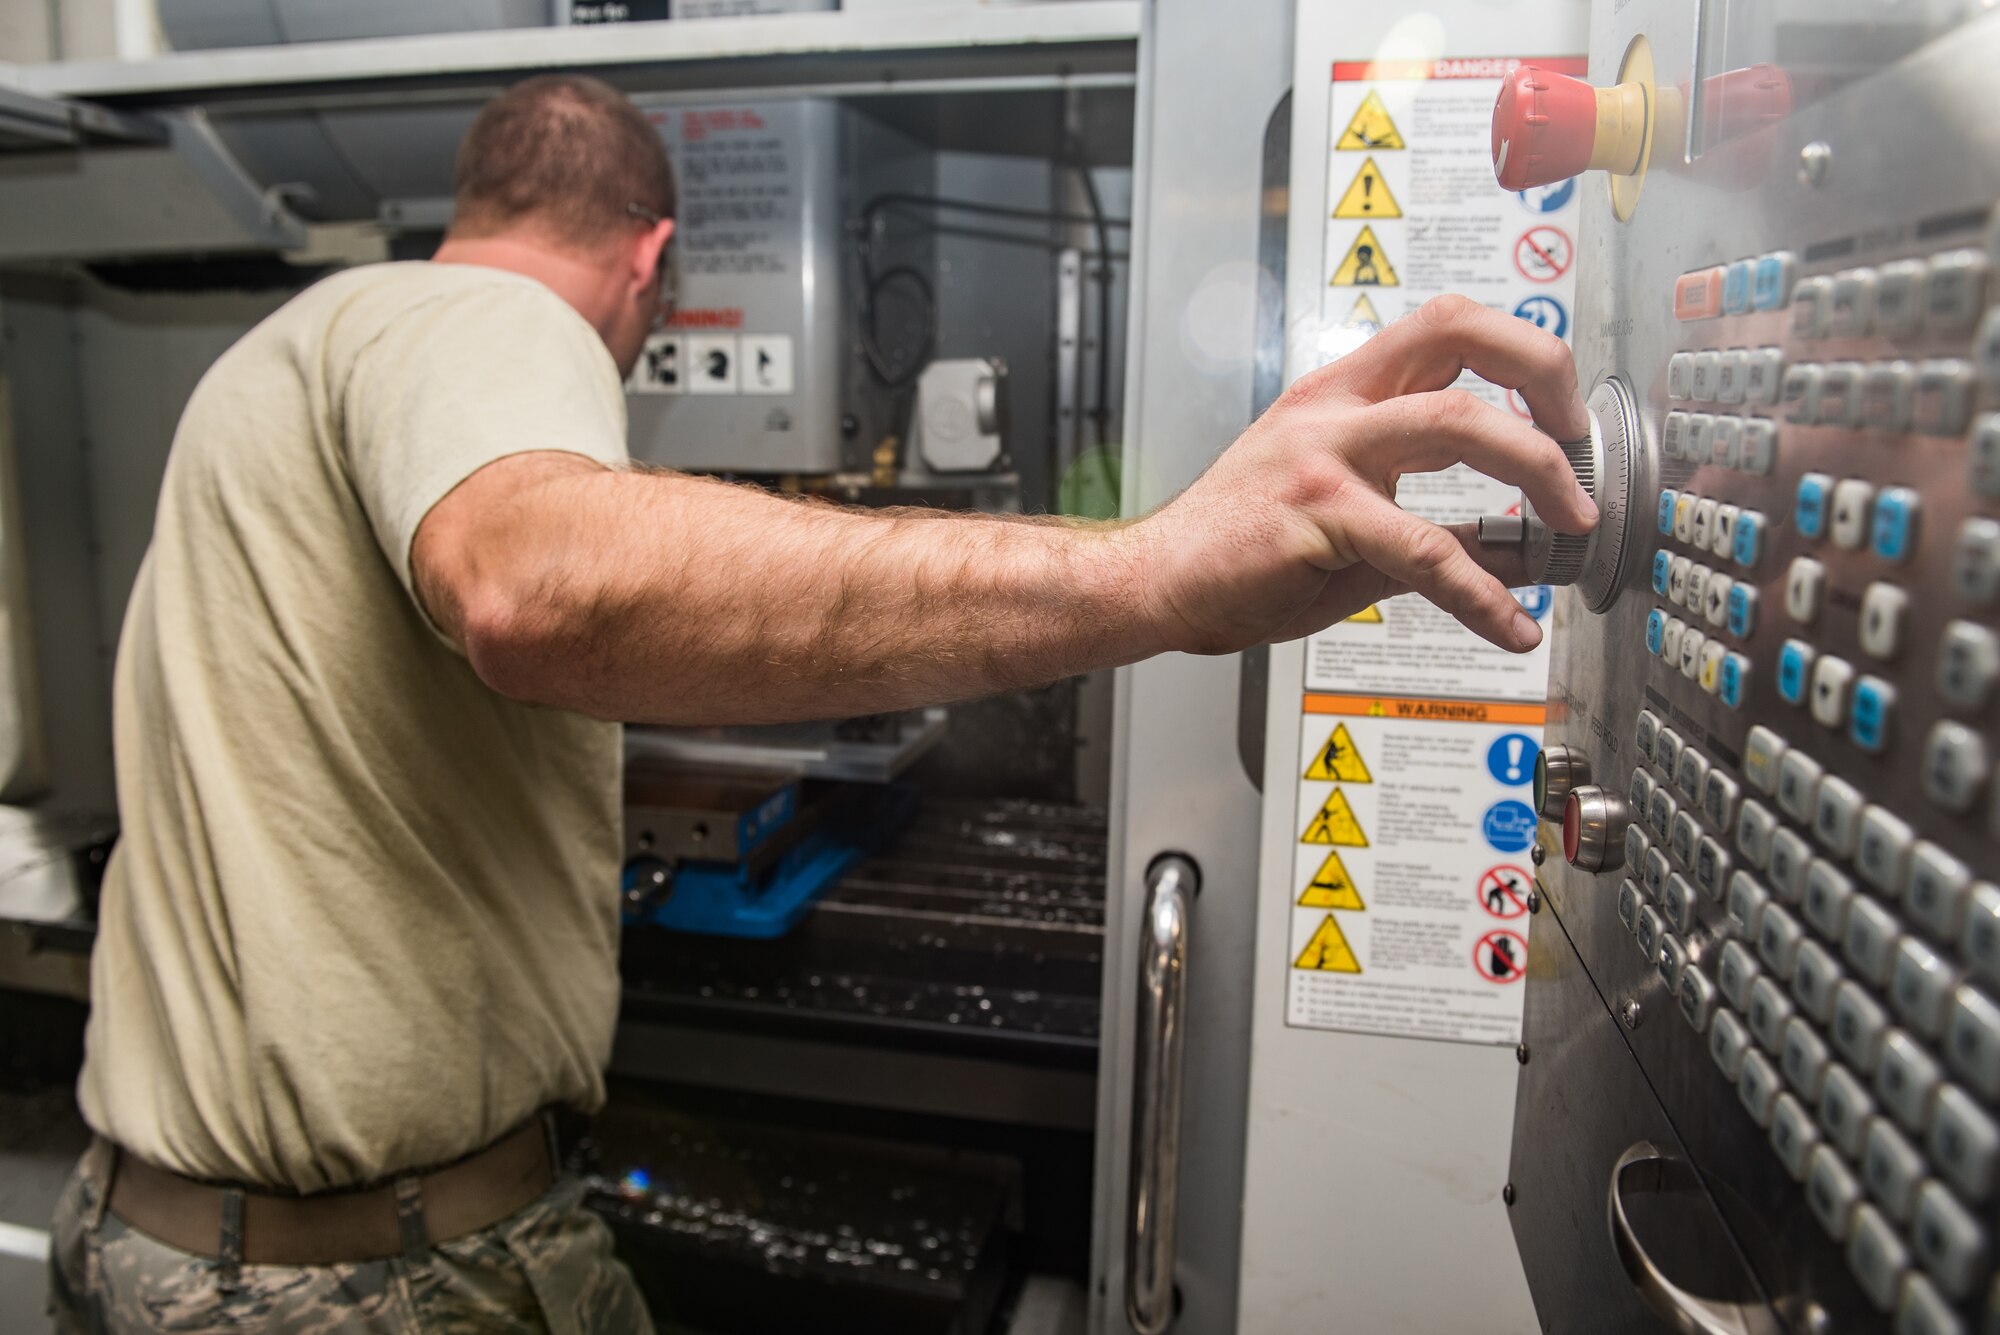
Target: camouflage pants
547 1269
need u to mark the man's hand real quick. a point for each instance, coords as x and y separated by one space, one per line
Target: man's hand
1296 526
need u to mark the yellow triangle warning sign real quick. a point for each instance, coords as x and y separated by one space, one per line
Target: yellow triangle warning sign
1363 316
1335 824
1365 265
1340 760
1371 127
1368 196
1331 887
1370 615
1328 951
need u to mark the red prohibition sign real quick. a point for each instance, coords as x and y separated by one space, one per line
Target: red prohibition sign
1544 254
1503 891
1501 956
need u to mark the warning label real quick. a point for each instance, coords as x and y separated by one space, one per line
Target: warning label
1369 127
1368 197
1332 888
1328 951
1338 760
1365 265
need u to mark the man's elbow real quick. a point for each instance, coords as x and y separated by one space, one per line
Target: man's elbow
522 646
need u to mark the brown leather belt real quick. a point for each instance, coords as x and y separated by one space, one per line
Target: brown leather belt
332 1228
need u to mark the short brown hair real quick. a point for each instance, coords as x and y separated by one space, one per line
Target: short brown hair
564 155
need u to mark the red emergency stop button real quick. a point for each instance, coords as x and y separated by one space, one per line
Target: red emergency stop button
1547 127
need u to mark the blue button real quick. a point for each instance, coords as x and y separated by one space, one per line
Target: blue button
1895 523
1794 664
1663 564
1668 499
1868 723
1735 680
1748 543
1656 631
1736 288
1742 610
1771 289
1810 513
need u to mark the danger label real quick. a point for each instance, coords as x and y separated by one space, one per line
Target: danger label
1503 891
1501 957
1368 196
1370 128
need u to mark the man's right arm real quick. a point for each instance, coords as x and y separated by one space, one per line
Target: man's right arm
656 597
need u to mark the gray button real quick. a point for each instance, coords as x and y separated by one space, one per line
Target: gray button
1667 750
1728 1040
1844 1110
1870 940
1735 971
1920 986
1985 472
1758 452
1769 1011
1800 393
1761 752
1885 396
1892 1168
1858 1025
1793 1134
1677 902
1686 834
1680 376
1883 609
1763 375
1975 564
1924 1311
1731 374
1700 445
1876 1255
1943 402
1949 1241
1697 996
1988 349
1851 309
1722 539
1882 848
1637 844
1718 798
1905 1080
1837 813
1711 866
1828 892
1840 394
1810 300
1641 790
1956 292
1653 872
1778 937
1833 1191
1935 890
1673 435
1755 825
1661 809
1965 1143
1982 930
1649 931
1805 589
1803 1056
1790 856
1955 766
1798 784
1643 733
1972 1040
1629 903
1757 1085
1707 367
1899 298
1968 664
1671 960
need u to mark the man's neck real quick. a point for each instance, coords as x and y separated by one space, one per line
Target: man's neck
580 282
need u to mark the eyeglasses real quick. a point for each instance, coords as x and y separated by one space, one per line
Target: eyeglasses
663 275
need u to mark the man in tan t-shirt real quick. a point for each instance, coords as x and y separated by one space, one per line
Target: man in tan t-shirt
361 929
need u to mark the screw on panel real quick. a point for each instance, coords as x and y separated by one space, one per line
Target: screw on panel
1630 1014
1817 1321
1814 161
1538 855
1521 1053
1507 1193
1534 901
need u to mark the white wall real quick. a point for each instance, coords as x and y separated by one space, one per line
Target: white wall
32 31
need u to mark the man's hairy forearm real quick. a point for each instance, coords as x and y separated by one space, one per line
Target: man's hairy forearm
656 597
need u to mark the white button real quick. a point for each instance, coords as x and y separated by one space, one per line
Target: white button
1757 1086
1704 523
1730 376
1760 758
1985 471
1778 937
1711 866
1892 1168
1718 799
1723 540
1934 890
1661 809
1758 451
1955 766
1793 1135
1798 784
1698 574
1707 366
1790 856
1629 903
1831 679
1832 1190
1677 902
1815 977
1684 507
1673 435
1899 294
1924 1311
1837 815
1725 441
1885 396
1667 750
1876 1255
1882 609
1972 1040
1670 959
1851 310
1942 405
1692 643
1844 1110
1800 392
1763 375
1755 826
1840 394
1956 292
1697 999
1700 439
1648 933
1949 1241
1968 664
1678 571
1852 498
1905 1080
1965 1143
1858 1025
1920 986
1805 587
1981 936
1882 849
1987 347
1810 299
1746 902
1715 598
1770 1010
1680 376
1637 844
1690 771
1828 891
1728 1040
1710 672
1975 562
1870 940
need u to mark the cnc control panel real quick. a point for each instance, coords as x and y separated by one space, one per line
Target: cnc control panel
1767 1009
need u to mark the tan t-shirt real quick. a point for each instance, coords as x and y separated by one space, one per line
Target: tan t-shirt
363 916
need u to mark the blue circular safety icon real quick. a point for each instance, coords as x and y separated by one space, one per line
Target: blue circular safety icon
1535 600
1544 312
1548 198
1510 826
1511 759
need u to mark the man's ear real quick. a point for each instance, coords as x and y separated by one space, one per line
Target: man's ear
645 272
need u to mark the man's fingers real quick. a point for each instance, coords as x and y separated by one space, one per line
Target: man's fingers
1430 559
1433 431
1349 590
1428 349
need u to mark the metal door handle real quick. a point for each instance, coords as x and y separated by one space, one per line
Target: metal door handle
1171 883
1647 1168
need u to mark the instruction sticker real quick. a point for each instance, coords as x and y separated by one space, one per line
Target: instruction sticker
1409 907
